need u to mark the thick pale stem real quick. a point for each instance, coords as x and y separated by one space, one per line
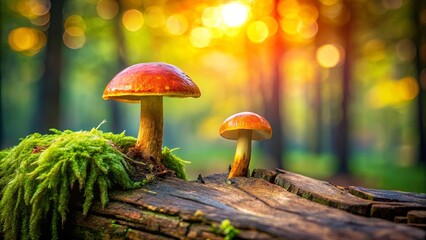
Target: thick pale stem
150 136
240 167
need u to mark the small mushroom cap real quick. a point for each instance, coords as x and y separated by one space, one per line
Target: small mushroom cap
246 120
150 79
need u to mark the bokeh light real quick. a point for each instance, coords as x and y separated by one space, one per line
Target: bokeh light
107 9
74 34
42 20
133 20
26 40
235 14
392 92
257 31
211 17
33 8
177 24
328 56
406 50
200 37
154 17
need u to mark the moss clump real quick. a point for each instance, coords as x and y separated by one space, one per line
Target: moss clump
226 229
174 163
39 176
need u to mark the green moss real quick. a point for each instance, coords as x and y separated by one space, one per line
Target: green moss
226 229
173 162
40 175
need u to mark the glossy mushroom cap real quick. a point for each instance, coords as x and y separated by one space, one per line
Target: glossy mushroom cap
150 79
261 129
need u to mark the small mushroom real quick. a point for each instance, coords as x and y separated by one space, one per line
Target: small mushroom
147 83
244 127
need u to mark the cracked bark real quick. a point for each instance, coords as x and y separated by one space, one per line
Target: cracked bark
176 209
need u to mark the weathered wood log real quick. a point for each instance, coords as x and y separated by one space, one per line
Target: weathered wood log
259 209
358 200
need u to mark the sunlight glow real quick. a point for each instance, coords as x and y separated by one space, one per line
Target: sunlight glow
177 24
299 21
107 9
26 40
75 21
406 50
133 20
290 21
307 31
328 56
33 8
393 92
329 2
74 34
155 17
41 20
271 23
297 66
211 17
234 14
74 42
131 3
200 37
257 31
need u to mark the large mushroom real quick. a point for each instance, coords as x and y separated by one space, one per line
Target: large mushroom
147 83
244 127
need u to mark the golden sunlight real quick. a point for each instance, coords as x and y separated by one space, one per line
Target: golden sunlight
22 39
26 40
74 34
177 24
393 92
235 14
200 37
133 20
31 9
328 56
155 17
107 9
211 17
73 42
257 31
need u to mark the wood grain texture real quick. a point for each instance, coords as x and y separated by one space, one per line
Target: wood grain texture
177 209
385 204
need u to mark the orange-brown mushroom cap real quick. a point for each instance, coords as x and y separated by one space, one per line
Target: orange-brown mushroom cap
150 79
261 129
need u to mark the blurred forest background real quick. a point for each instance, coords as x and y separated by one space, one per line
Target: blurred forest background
342 82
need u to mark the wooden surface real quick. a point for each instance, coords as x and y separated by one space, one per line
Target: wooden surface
358 200
285 206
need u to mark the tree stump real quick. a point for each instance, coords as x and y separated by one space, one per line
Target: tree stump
269 205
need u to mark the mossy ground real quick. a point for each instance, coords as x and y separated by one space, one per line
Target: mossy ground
39 176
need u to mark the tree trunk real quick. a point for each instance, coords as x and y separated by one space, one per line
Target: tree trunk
48 105
420 40
117 125
342 134
257 209
273 107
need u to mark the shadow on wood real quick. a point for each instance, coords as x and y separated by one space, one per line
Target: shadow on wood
269 205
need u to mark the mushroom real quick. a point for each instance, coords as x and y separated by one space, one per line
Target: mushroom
147 83
244 127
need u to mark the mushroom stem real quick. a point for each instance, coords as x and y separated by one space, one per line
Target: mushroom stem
240 167
150 136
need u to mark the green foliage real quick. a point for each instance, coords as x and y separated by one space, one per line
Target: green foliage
226 229
38 176
173 162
